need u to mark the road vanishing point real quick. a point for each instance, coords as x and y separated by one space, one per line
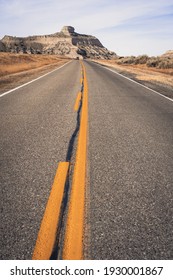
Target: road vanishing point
86 168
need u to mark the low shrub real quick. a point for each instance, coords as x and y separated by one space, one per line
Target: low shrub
127 60
160 62
154 61
165 63
141 59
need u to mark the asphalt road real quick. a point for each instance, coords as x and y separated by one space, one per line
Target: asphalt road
129 198
131 169
37 122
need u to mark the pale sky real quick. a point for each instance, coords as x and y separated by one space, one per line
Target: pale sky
128 27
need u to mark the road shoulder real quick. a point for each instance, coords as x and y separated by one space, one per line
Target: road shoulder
158 81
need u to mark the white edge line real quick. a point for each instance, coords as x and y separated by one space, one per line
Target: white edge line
170 99
11 90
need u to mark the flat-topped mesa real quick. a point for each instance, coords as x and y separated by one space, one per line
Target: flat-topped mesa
67 42
80 39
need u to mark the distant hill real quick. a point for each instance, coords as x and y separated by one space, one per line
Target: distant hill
66 42
168 54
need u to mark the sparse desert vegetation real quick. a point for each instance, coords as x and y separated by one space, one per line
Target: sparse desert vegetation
159 62
19 68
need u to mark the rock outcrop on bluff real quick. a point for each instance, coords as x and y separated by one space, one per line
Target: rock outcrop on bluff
66 42
168 54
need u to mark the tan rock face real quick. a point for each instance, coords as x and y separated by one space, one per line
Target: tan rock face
67 30
66 42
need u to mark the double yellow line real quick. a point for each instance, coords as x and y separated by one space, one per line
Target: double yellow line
48 229
73 239
73 245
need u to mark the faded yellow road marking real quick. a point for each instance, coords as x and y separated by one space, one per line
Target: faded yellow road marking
78 99
73 243
47 233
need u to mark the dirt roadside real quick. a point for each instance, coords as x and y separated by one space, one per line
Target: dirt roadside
17 69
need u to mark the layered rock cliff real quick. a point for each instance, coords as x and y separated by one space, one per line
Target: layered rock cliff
66 42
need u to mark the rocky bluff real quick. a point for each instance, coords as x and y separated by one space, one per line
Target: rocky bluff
66 42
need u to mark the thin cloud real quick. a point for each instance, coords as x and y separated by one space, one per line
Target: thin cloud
127 25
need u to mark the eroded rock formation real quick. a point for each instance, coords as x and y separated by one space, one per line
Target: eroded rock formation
66 42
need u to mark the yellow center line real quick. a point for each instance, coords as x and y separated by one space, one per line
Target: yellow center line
47 233
73 242
77 102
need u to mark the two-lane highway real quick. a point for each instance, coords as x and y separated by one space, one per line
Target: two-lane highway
129 189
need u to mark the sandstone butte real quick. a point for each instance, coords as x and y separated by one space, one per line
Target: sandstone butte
66 42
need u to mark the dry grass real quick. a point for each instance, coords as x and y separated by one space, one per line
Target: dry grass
15 63
16 69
